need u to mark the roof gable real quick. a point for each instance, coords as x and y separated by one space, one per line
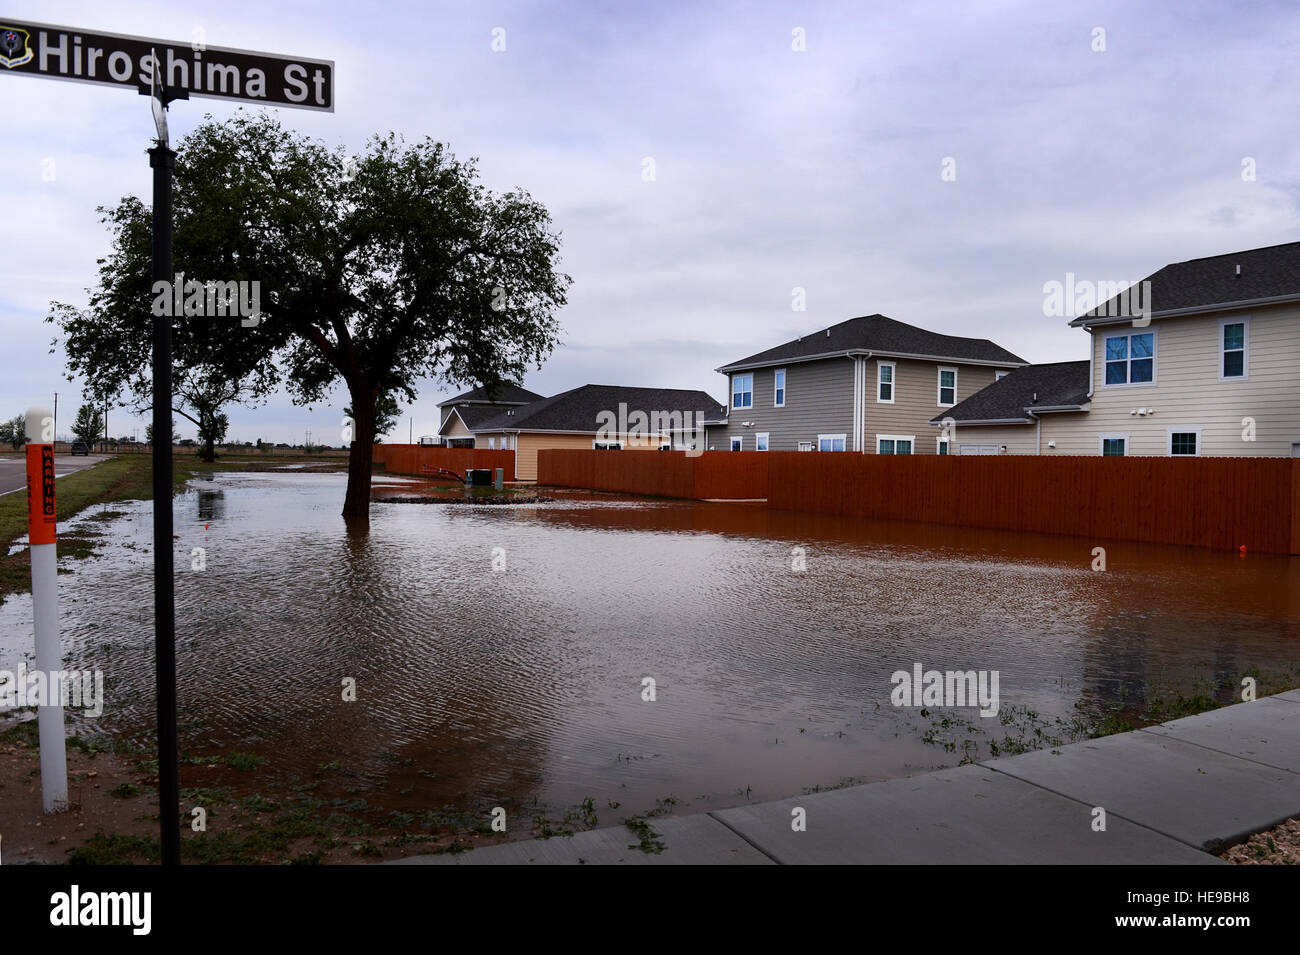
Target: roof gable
1212 283
505 393
579 409
1055 385
882 335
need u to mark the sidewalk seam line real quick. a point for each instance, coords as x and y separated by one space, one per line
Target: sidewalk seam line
1221 752
1109 812
744 837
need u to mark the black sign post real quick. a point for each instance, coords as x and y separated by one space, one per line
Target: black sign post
166 72
194 69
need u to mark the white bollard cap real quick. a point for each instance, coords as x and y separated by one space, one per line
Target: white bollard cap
40 425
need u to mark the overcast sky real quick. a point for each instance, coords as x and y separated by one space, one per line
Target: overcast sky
775 168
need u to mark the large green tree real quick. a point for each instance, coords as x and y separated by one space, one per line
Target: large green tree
376 271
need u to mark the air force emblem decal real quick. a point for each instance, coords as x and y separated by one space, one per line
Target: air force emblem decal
14 47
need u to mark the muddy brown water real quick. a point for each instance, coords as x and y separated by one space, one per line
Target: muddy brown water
479 687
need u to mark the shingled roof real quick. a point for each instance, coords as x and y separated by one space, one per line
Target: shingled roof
505 393
1270 273
578 410
884 336
1060 386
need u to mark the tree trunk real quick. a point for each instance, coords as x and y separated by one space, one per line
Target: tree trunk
356 504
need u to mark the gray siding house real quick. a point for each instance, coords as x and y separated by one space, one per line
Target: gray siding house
869 385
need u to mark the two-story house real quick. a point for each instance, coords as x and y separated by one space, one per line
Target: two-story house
1211 367
869 384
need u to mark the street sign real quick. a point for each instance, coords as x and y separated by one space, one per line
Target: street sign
133 63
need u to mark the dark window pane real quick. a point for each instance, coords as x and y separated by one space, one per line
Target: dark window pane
1116 348
1183 442
1144 346
1234 364
1234 335
1143 369
1116 373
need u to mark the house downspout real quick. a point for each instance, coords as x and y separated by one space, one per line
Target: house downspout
1092 372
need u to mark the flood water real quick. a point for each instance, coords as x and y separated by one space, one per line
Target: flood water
479 687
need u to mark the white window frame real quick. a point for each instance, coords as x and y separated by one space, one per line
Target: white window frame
842 438
1188 429
893 381
1244 321
1155 358
734 380
939 392
940 442
738 442
761 438
896 438
805 445
1118 436
779 373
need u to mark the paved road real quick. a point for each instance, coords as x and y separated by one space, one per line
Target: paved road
13 468
1172 794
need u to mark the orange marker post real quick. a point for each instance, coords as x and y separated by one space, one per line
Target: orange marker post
41 533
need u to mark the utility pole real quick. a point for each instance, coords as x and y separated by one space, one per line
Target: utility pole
56 420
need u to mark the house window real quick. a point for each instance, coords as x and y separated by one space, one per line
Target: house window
885 382
607 445
742 391
1185 443
779 387
947 387
1131 359
942 446
1114 445
830 442
894 443
1233 341
805 445
738 444
760 441
492 443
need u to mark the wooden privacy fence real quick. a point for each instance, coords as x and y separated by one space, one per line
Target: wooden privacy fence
415 458
738 475
1203 502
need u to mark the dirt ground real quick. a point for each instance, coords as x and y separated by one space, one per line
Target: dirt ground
1279 846
31 836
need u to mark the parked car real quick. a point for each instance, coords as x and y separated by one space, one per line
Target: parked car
79 447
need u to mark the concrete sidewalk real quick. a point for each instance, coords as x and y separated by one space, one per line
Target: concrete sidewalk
1172 794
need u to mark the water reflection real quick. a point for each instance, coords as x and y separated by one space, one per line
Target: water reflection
479 687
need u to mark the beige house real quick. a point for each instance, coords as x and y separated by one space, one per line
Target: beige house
1212 371
601 417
